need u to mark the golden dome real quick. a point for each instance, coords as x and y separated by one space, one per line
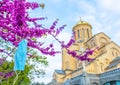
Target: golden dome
82 23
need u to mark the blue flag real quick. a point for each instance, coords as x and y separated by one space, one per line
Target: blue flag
20 56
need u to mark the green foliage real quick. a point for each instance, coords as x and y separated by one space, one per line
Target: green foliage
22 77
31 70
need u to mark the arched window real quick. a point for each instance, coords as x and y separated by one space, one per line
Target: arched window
101 66
107 61
88 33
94 44
112 53
116 54
103 41
78 32
75 34
95 83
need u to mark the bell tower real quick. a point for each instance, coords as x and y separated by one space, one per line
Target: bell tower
83 31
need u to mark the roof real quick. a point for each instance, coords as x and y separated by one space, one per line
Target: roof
60 72
97 35
116 59
114 63
111 72
82 23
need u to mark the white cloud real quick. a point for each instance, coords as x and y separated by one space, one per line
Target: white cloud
109 5
87 7
55 1
89 18
117 23
117 37
64 36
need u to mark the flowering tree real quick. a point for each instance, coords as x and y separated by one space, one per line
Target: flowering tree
14 27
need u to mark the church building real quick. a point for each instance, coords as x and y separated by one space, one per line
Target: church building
103 70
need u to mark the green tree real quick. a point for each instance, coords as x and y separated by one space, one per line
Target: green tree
31 68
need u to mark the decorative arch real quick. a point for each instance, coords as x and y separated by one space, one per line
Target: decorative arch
115 52
107 61
102 66
103 41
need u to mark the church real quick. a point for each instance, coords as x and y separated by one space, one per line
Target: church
103 70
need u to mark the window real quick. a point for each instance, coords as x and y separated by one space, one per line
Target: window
116 54
103 41
101 65
112 53
88 33
78 33
94 44
95 83
107 61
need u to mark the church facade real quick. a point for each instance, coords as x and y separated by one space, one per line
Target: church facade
103 70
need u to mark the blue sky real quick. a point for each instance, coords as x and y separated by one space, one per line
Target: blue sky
103 15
